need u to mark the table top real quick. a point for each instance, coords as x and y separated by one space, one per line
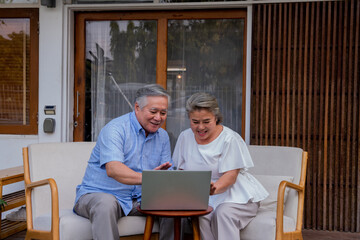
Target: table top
11 173
176 213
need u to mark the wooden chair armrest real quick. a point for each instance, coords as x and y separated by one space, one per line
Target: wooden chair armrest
281 197
280 204
43 182
300 188
31 233
283 184
54 206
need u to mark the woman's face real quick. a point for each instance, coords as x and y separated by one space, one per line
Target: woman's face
203 124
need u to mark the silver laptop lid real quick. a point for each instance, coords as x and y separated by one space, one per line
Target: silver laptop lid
175 190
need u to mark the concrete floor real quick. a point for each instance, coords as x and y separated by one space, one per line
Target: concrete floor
307 235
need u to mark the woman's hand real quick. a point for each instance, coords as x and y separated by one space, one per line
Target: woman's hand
224 182
212 188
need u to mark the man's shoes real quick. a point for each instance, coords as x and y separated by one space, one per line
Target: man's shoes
19 215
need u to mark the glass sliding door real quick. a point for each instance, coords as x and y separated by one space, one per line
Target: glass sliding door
121 57
205 55
184 51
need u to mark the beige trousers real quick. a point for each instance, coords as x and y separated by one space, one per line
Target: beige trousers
103 211
226 221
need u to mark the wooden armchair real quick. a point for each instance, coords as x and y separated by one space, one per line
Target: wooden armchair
51 173
32 233
300 188
282 171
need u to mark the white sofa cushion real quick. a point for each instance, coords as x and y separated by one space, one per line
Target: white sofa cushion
74 227
271 184
263 226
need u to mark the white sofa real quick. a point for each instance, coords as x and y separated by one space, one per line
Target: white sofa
62 165
282 171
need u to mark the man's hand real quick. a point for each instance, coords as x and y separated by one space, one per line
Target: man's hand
163 166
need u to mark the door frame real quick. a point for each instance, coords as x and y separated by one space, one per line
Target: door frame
162 16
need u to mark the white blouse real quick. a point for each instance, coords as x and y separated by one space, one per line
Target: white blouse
227 152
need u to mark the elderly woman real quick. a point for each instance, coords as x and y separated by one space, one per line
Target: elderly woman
208 145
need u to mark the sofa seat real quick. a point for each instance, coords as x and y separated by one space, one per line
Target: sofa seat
265 222
73 226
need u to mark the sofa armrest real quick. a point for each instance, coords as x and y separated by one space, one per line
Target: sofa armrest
29 186
43 182
300 188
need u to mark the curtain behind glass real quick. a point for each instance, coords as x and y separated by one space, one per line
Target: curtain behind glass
121 57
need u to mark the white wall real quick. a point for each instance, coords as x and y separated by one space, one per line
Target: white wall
11 149
50 70
50 90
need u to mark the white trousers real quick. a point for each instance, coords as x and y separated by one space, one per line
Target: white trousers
226 221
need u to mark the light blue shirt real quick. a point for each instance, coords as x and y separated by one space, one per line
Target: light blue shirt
123 139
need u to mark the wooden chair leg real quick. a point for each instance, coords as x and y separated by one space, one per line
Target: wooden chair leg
148 227
196 228
177 227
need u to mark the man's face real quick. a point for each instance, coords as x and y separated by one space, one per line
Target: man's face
153 115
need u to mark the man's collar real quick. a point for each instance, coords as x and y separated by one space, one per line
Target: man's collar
135 123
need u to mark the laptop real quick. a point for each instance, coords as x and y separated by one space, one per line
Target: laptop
175 190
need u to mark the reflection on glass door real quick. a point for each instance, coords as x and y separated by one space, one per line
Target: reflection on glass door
120 58
207 56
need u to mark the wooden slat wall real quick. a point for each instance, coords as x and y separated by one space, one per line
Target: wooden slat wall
305 93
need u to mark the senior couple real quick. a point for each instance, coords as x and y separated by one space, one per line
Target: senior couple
131 143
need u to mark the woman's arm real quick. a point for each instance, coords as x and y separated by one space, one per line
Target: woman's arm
224 182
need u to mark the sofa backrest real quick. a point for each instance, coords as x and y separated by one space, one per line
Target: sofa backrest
279 161
64 162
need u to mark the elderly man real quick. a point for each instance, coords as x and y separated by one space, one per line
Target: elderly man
127 145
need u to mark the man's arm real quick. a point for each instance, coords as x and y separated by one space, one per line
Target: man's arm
122 173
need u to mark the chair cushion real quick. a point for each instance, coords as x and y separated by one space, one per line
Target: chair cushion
73 226
271 184
263 226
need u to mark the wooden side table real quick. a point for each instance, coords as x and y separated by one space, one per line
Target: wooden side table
15 199
177 215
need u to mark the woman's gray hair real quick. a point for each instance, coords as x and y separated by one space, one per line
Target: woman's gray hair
150 90
201 100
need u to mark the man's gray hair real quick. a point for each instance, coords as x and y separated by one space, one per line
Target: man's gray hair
148 91
201 100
